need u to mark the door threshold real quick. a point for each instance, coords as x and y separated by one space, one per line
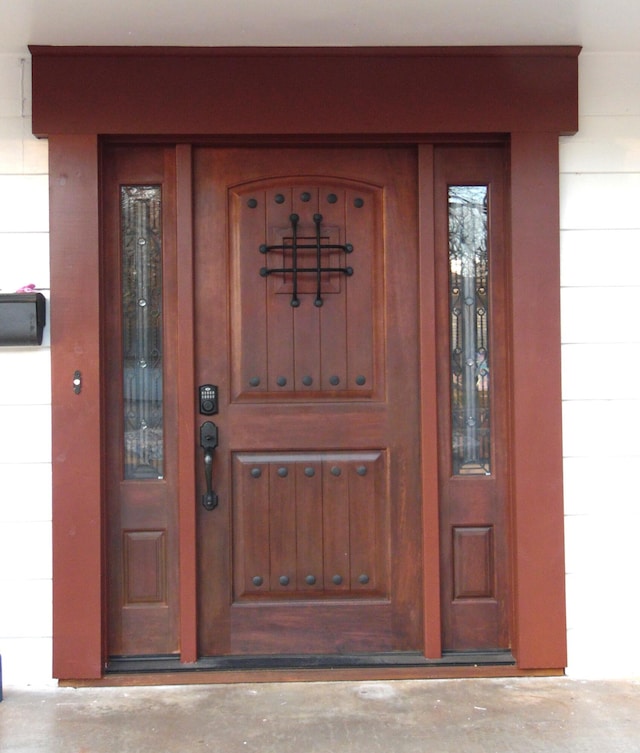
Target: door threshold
392 660
229 670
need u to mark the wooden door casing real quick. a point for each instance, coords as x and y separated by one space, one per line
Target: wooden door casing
528 94
316 545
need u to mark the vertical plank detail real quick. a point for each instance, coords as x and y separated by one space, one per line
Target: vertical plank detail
336 517
310 499
312 524
279 314
308 350
251 490
247 224
281 541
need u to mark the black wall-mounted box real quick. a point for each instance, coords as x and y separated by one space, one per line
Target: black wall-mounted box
22 318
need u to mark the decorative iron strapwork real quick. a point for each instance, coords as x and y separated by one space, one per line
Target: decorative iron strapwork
295 247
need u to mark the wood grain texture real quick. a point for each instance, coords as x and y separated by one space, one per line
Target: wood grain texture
239 91
285 440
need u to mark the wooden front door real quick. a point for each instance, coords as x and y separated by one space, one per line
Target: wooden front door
306 322
124 525
315 364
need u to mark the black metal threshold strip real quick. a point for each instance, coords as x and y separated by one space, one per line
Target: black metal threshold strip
159 664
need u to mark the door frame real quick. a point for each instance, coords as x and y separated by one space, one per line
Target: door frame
525 97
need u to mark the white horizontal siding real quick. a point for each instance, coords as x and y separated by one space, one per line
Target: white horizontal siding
29 561
24 260
25 377
600 274
600 315
602 428
603 145
600 371
12 73
24 202
605 485
26 434
599 201
33 619
27 660
600 258
26 492
609 84
25 395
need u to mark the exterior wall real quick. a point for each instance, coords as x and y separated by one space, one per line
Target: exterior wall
600 220
25 395
600 242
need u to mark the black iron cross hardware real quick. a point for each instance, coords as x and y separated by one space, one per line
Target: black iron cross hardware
294 270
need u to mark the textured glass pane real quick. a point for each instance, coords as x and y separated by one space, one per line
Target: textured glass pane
141 222
468 299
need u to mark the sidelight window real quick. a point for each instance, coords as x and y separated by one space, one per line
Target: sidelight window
469 325
142 364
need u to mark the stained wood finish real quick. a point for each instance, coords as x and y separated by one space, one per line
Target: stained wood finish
142 515
529 94
317 478
356 91
538 517
310 525
474 510
76 430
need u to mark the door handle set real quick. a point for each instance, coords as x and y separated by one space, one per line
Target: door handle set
209 442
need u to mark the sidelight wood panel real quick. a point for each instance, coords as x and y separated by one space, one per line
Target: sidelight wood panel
144 572
140 510
477 502
473 562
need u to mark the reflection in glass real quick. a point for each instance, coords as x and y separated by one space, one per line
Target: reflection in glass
141 226
468 306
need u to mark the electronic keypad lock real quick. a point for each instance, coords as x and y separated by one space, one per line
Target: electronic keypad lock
208 399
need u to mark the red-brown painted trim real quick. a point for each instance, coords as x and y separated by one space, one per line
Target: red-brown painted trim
537 426
186 424
76 421
304 91
367 95
429 407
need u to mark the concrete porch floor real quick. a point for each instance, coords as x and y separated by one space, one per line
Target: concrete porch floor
411 716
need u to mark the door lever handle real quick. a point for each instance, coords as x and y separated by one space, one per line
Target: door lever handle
209 442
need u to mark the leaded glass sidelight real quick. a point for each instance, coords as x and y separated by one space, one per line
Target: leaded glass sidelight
141 227
468 307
